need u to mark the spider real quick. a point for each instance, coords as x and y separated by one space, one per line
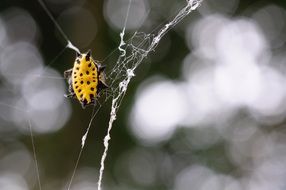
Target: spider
86 79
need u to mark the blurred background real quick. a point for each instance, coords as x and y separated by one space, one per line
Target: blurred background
206 110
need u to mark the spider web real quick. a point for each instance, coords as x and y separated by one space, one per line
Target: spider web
132 53
131 57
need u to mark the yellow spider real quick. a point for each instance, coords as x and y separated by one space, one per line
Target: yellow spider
86 79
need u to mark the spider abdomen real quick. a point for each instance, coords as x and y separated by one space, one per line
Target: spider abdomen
85 79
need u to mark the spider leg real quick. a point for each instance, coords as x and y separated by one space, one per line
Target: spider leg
93 102
71 91
101 68
101 79
83 103
101 86
71 95
67 73
70 86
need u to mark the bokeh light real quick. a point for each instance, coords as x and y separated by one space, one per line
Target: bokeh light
158 111
115 13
